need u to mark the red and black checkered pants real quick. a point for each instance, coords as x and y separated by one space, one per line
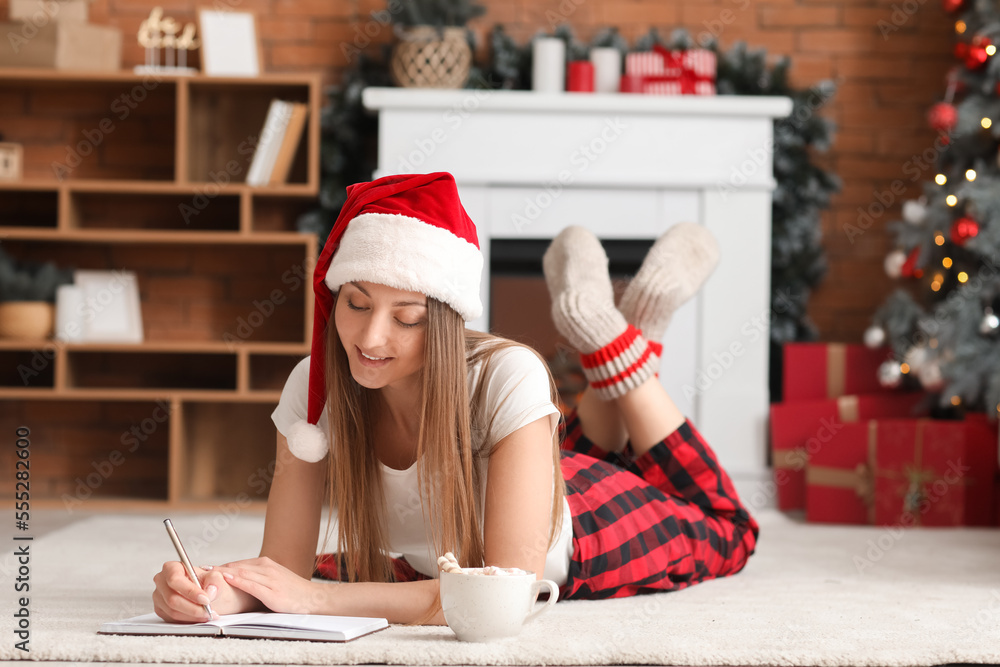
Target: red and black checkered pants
658 522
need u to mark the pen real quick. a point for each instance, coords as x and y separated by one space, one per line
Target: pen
185 560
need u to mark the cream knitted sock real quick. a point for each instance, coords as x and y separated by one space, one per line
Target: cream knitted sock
672 272
614 355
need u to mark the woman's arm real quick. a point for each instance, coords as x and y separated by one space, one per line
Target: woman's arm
294 508
519 499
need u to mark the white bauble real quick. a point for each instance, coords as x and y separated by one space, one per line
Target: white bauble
915 357
894 263
914 211
874 336
990 323
890 375
930 376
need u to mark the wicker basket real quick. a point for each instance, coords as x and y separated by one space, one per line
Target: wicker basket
426 58
26 320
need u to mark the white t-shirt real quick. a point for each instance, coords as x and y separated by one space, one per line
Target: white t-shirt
517 393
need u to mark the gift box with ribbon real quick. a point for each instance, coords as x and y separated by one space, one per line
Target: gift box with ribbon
801 428
830 370
905 472
666 72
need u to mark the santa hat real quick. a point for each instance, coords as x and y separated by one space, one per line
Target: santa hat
407 231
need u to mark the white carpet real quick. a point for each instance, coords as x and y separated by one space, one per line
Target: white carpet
929 597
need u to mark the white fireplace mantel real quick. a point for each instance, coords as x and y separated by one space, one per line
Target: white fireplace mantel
626 167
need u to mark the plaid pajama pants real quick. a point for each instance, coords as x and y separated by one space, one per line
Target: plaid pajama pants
658 522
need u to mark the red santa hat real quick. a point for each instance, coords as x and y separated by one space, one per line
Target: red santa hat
407 231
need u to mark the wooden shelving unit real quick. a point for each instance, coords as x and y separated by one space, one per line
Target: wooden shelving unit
129 172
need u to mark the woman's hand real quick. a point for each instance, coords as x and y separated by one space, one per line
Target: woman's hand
178 600
277 587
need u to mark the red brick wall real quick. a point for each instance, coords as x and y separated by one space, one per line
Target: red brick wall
886 84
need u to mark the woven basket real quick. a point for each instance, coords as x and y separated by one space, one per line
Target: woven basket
423 57
26 320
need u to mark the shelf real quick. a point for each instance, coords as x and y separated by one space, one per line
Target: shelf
30 208
158 187
74 127
146 173
202 395
61 77
155 236
163 346
215 461
73 457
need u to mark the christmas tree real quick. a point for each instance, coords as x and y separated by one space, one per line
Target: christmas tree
942 323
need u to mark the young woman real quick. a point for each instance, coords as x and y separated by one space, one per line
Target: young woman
425 437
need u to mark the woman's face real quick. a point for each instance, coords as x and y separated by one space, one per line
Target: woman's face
382 330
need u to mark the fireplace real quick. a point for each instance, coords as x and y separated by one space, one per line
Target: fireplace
627 167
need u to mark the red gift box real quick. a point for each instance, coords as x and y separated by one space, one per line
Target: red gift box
829 370
800 428
665 72
905 472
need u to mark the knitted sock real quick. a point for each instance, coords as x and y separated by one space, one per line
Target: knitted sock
672 272
615 356
621 365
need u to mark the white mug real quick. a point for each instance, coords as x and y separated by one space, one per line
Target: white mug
482 607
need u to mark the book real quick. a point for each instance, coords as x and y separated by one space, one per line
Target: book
289 144
271 135
255 625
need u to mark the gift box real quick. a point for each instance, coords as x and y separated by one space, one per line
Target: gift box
665 72
801 428
40 12
829 370
62 45
905 472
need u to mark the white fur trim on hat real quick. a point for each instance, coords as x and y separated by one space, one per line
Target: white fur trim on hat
307 441
412 255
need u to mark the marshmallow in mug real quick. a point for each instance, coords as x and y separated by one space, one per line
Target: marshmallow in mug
449 563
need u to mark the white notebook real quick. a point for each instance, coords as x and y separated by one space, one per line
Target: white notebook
266 625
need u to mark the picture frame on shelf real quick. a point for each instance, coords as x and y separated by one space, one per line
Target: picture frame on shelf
230 43
110 310
11 161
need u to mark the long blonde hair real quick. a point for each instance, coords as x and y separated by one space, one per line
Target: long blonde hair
447 470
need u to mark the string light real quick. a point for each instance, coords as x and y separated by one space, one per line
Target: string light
955 400
940 179
986 123
935 286
946 262
962 276
904 368
970 175
951 200
939 239
991 49
959 27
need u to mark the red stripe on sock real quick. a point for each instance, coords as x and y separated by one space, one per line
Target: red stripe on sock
657 348
612 350
626 373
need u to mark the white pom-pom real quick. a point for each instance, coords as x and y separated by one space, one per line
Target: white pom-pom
914 211
874 336
307 442
894 263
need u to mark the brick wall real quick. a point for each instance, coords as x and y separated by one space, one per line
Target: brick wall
888 77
